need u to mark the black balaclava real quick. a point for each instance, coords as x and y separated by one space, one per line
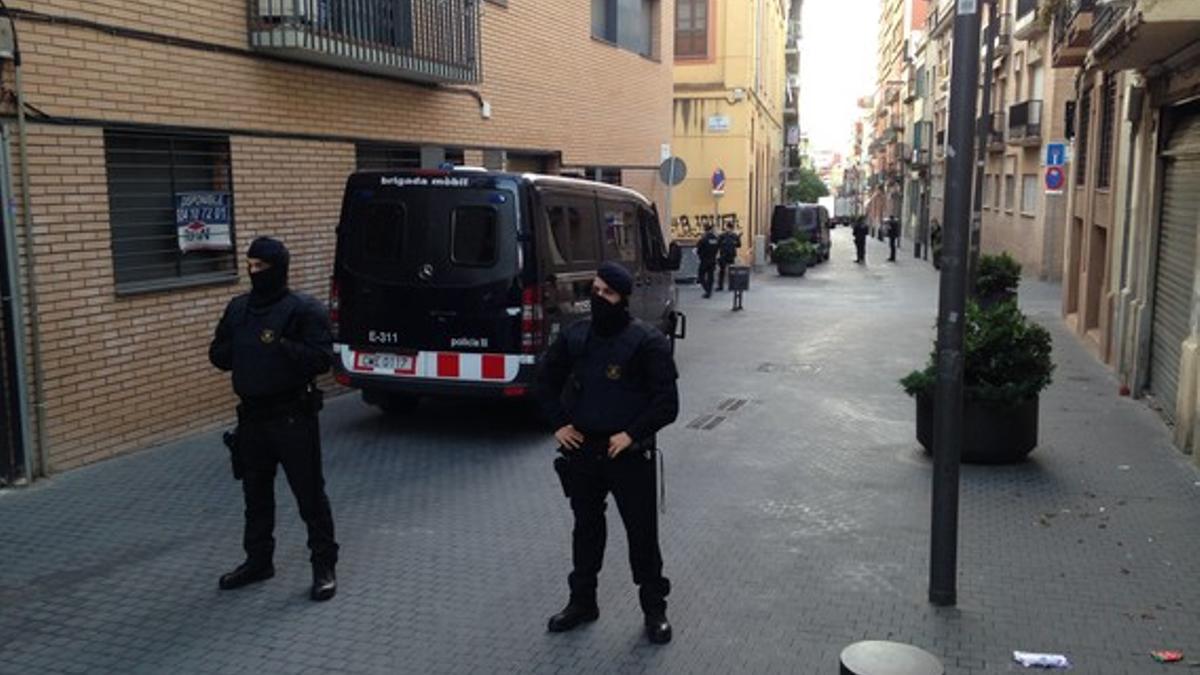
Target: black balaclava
270 284
609 318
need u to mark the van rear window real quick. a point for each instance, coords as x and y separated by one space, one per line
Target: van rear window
473 236
383 229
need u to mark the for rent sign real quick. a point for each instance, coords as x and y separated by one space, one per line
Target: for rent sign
202 219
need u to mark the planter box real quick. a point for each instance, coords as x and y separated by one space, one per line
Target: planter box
992 433
792 269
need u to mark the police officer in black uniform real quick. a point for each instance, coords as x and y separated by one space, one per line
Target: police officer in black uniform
276 341
727 245
621 391
706 250
860 240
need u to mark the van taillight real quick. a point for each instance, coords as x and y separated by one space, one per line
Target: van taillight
531 321
335 306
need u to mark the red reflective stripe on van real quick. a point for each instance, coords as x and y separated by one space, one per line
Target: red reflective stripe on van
493 367
447 365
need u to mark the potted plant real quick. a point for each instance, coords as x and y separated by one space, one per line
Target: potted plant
1007 365
792 257
997 279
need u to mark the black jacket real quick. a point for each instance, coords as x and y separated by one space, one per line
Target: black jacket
728 244
276 350
706 248
626 382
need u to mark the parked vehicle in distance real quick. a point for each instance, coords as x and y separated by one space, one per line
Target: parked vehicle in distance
454 282
808 221
845 210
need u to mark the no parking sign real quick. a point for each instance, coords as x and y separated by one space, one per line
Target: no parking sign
1055 179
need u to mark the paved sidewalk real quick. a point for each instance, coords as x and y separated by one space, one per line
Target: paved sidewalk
798 517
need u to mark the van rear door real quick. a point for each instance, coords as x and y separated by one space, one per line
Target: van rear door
430 262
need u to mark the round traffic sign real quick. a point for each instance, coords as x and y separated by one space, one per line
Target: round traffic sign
672 171
1055 178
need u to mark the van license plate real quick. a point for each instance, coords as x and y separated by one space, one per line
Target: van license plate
394 362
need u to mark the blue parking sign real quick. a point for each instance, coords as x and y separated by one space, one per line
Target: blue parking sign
1056 154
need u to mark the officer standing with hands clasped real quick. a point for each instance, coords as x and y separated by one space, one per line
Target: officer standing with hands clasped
706 250
276 341
619 381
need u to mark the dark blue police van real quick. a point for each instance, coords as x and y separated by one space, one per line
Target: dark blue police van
455 282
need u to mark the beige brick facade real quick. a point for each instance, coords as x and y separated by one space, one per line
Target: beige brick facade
125 371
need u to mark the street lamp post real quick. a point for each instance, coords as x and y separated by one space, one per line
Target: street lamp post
948 397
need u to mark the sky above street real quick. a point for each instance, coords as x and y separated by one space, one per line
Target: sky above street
837 64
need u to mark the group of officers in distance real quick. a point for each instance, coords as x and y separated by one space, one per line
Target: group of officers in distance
607 385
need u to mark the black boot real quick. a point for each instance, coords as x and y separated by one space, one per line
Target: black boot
658 629
324 584
245 574
575 614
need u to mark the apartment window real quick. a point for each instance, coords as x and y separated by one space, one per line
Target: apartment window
996 192
1010 190
1107 129
170 207
1085 124
691 28
626 23
987 190
1029 192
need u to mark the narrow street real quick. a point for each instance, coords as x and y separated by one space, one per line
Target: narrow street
797 517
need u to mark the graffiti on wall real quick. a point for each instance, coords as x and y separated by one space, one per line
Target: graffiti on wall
686 227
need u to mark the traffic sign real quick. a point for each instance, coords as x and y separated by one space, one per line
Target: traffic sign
1055 179
672 171
1056 154
718 182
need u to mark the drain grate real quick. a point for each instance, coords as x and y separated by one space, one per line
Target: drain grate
706 422
732 404
789 368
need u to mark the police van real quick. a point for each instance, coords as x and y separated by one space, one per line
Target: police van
454 282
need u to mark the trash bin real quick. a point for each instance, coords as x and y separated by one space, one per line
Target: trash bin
739 282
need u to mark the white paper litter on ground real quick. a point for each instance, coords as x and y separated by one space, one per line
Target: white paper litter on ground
1035 660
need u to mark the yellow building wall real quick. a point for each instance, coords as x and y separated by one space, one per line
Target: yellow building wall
743 78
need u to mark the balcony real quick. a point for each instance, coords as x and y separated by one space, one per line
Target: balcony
1147 33
1028 26
1001 35
920 158
994 131
1025 124
1072 33
435 41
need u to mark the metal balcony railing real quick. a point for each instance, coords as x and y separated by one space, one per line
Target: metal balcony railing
995 130
422 40
1025 122
1025 7
1106 16
1067 12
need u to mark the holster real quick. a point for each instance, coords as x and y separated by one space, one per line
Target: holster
235 457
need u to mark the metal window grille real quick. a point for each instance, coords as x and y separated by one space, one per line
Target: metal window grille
1108 113
1085 124
146 172
396 157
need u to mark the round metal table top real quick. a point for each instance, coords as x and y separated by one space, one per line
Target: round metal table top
880 657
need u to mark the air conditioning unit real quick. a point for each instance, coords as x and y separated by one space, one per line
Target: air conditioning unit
290 11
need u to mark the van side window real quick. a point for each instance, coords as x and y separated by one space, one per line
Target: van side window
382 238
571 232
473 235
620 231
654 250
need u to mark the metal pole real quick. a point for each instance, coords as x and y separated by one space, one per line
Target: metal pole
948 401
985 130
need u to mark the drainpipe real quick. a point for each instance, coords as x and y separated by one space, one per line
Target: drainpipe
39 404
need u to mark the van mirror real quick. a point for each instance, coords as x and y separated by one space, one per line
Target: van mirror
674 258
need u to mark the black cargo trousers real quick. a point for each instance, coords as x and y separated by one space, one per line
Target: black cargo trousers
588 477
286 435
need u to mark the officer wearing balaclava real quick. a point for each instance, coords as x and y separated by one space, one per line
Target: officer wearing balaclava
276 342
622 392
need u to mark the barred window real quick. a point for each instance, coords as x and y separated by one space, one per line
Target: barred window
1108 114
170 207
1085 125
396 156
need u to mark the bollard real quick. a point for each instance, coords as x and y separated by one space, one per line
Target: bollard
880 657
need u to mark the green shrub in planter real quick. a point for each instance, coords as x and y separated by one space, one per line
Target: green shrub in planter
1007 357
997 279
795 250
1007 365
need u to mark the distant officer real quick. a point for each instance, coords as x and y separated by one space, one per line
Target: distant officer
706 249
276 341
893 235
860 240
727 247
622 392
